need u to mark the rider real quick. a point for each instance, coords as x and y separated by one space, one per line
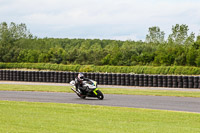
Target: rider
79 82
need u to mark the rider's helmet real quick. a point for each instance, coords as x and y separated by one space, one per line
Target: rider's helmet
81 77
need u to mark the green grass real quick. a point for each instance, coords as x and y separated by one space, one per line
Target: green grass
104 90
75 118
45 88
150 92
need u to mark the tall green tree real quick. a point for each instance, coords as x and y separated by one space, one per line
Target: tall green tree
191 57
13 32
179 35
9 35
155 35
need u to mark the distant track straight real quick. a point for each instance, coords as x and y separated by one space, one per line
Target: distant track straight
100 86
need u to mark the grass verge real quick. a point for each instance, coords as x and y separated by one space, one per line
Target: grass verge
122 91
73 118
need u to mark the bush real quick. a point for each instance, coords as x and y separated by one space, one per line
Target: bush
163 70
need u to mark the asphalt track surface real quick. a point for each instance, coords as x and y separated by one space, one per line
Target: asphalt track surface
186 104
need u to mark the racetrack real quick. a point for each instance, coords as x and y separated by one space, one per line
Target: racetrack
187 104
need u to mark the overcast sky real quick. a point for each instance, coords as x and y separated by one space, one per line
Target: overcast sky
102 19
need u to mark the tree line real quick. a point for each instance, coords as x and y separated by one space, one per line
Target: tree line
17 44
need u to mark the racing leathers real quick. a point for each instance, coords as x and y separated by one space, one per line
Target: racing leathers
79 85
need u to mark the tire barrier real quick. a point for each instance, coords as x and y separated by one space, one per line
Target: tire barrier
92 76
47 76
136 80
175 81
109 79
118 79
169 81
63 77
190 82
196 81
146 78
155 80
122 79
141 80
127 79
150 80
100 79
160 81
185 81
96 77
4 75
104 78
67 77
164 81
132 80
114 82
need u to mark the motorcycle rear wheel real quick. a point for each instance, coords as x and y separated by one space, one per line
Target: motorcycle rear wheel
82 96
100 95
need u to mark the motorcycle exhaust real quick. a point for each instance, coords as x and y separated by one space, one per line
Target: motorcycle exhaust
78 93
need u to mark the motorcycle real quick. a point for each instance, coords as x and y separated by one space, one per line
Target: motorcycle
90 90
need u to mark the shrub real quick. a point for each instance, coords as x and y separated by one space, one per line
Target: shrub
164 70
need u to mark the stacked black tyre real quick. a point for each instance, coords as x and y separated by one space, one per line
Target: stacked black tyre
185 81
89 75
169 81
122 79
127 79
114 79
136 80
47 76
7 75
190 82
174 81
109 79
96 78
132 80
150 80
11 75
118 79
164 81
1 74
105 79
51 74
72 76
146 78
25 75
180 81
4 75
100 78
155 80
14 76
93 76
196 81
68 77
59 77
160 80
141 80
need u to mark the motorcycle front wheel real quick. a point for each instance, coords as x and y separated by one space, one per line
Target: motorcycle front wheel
100 95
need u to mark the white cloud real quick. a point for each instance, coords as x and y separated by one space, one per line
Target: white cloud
118 19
